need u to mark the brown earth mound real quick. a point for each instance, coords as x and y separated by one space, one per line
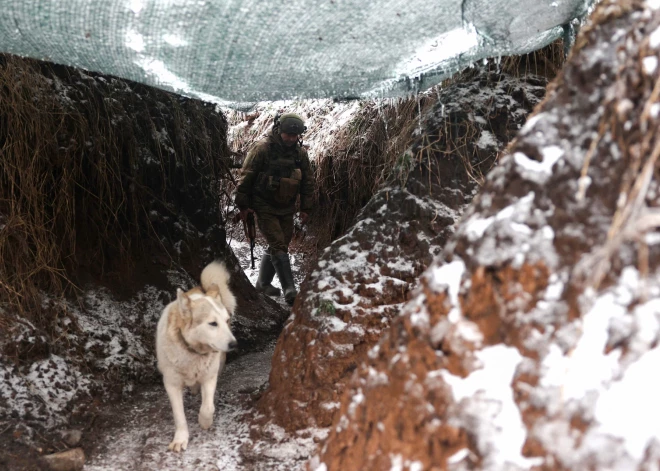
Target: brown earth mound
363 278
532 344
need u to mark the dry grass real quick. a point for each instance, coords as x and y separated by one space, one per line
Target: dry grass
74 190
636 212
372 148
365 153
546 62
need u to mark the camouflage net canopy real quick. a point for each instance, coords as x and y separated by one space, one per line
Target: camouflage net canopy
233 51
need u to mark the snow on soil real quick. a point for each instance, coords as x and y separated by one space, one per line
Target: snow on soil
141 442
118 336
107 330
593 403
105 336
577 374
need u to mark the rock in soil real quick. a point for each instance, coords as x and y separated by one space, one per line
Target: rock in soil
71 437
70 460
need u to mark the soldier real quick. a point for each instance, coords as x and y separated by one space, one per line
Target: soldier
275 171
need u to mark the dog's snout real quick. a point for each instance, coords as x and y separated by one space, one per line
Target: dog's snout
233 345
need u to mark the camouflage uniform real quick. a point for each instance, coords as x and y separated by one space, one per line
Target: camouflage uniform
272 177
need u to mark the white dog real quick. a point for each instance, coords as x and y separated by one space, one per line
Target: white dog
192 342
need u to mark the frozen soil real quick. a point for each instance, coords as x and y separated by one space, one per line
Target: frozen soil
533 342
72 353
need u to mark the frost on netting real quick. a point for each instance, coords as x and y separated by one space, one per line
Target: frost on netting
246 51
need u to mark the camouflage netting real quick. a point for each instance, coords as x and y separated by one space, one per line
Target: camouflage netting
250 50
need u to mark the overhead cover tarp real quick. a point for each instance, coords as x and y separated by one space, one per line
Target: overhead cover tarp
252 50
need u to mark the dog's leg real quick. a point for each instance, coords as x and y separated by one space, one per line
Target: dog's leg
208 408
180 440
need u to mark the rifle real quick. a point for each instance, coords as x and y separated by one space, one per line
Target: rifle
251 232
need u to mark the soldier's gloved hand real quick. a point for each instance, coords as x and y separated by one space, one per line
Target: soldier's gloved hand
243 214
304 217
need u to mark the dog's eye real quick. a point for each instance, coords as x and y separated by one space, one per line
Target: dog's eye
214 324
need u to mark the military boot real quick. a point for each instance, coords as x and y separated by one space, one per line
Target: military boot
266 274
283 268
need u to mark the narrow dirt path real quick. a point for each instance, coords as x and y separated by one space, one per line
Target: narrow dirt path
135 434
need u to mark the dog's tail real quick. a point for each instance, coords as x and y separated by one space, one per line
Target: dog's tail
217 274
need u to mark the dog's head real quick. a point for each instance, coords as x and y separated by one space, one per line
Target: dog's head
205 321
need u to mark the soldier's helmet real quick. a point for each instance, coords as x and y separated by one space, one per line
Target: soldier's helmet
291 123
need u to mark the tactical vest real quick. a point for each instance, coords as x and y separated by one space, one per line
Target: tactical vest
280 181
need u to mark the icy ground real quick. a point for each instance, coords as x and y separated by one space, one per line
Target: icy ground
139 439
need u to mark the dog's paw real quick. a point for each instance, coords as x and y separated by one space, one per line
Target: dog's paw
205 420
180 442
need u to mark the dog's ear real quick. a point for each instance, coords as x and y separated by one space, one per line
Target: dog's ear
213 291
183 301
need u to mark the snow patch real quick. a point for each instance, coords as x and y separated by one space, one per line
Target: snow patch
486 140
529 124
536 171
655 110
459 456
174 40
629 408
135 41
650 64
488 408
586 368
135 6
449 275
445 46
477 227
